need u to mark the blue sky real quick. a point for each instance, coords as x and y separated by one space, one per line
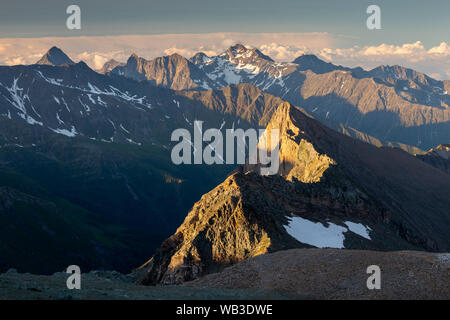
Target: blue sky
402 20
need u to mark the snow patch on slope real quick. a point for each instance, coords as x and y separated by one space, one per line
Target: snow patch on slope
359 229
321 236
72 133
18 101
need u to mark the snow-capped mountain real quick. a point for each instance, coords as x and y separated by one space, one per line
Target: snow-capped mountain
239 64
387 104
392 104
75 101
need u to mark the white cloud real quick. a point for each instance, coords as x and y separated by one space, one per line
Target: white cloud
15 61
442 49
97 59
95 49
283 53
433 61
190 52
280 46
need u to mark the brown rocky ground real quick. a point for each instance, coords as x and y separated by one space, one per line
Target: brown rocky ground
290 274
339 274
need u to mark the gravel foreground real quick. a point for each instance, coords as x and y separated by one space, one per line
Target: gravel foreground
290 274
340 274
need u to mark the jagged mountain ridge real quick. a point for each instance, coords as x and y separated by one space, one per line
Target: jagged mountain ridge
113 108
81 102
174 72
110 65
379 198
438 157
333 93
390 103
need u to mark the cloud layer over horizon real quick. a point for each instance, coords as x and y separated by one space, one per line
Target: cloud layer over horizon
96 50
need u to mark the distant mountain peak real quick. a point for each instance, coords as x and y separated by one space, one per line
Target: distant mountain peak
308 57
316 65
200 58
133 56
200 55
239 51
176 55
110 65
238 48
55 57
134 60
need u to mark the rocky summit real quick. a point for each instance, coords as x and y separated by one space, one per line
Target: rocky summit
331 191
55 57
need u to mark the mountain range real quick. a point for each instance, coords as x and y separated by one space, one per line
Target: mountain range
101 144
88 154
390 103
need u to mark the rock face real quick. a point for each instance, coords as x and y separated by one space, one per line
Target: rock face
299 160
438 157
244 101
216 231
247 215
326 181
174 72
